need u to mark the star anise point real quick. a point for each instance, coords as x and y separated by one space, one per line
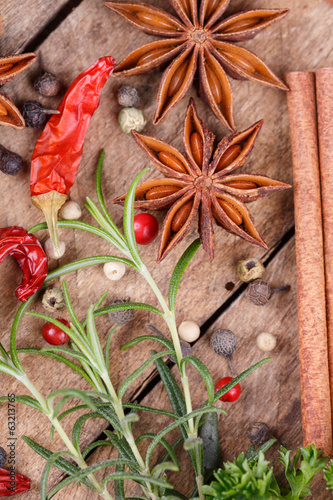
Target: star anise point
198 40
202 182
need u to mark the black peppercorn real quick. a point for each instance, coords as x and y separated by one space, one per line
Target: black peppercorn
35 114
47 85
121 317
10 163
259 292
258 433
3 457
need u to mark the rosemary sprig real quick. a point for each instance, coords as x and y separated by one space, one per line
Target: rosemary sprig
92 362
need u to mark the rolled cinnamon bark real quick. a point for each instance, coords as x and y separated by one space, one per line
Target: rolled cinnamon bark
324 93
312 331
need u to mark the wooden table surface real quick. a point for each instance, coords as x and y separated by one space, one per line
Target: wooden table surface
68 36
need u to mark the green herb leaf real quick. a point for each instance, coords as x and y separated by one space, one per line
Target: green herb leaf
164 442
126 305
203 371
26 400
86 262
179 271
138 371
119 484
174 425
150 409
328 475
129 220
46 471
138 478
107 346
236 380
75 393
124 450
16 323
85 472
92 446
60 463
209 433
167 343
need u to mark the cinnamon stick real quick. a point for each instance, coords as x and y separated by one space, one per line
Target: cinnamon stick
324 92
312 331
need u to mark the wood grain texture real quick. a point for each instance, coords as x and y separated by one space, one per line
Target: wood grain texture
271 394
89 32
20 23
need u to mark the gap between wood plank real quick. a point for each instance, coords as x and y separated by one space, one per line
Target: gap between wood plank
154 377
52 25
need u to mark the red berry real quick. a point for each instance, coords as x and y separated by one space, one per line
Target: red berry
53 334
145 228
231 395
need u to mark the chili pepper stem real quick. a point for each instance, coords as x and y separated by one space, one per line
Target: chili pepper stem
50 204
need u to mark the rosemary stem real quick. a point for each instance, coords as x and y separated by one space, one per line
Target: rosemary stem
55 422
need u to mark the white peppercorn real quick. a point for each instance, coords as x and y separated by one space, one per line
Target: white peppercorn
266 342
189 331
49 249
131 119
70 211
114 270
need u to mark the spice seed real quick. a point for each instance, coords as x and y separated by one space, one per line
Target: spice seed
151 55
241 25
181 216
3 110
5 67
155 20
197 148
240 61
214 84
241 184
177 79
161 192
231 212
228 157
171 161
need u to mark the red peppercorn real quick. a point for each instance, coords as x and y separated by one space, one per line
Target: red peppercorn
53 334
231 395
145 228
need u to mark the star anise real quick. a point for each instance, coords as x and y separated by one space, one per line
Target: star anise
202 182
198 41
10 66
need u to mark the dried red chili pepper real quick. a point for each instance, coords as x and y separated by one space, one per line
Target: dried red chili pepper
28 252
12 483
58 151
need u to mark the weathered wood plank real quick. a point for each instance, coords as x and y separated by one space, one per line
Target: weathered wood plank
88 33
270 394
21 22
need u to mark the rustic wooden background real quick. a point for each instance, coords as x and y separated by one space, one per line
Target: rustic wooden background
68 36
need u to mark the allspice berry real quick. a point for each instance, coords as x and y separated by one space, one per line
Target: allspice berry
121 317
47 85
53 299
224 343
250 269
259 292
35 114
10 163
